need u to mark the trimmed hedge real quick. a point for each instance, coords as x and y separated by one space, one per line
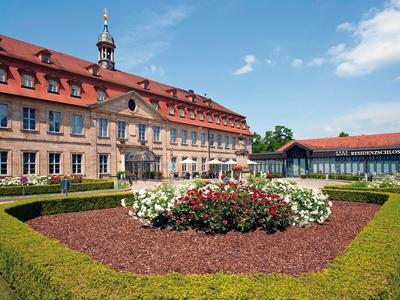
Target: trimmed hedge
55 188
40 268
333 176
356 196
357 188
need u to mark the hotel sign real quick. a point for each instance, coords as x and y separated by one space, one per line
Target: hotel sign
367 152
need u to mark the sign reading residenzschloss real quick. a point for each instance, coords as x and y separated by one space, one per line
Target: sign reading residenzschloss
367 152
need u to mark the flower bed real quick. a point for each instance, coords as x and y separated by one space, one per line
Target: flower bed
38 180
40 268
242 206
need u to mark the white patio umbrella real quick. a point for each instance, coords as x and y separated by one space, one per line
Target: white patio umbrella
250 162
231 162
215 162
188 161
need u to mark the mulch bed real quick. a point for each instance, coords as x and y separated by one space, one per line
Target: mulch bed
111 237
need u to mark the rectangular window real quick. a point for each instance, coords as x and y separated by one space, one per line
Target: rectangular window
75 90
203 164
191 114
156 133
227 142
103 127
203 138
233 142
173 164
29 119
121 129
182 112
219 140
224 121
3 115
194 137
201 116
194 165
211 141
217 119
142 132
210 119
3 163
232 122
27 81
184 166
171 109
45 58
52 85
2 75
29 162
76 163
103 164
54 163
77 124
173 136
184 137
101 95
158 163
54 121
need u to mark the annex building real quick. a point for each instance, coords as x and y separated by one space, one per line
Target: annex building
63 115
356 155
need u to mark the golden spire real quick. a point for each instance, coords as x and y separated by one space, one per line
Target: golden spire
105 17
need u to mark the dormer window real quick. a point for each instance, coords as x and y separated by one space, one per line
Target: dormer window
145 84
3 74
191 114
201 116
192 97
28 81
208 102
101 95
217 119
181 112
232 122
238 123
224 121
52 85
93 69
209 117
45 56
154 104
173 93
244 125
171 109
75 90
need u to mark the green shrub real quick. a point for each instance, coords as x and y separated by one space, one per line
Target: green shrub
358 188
87 185
333 176
40 268
356 196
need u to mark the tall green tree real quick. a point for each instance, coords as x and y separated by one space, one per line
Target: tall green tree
272 139
343 134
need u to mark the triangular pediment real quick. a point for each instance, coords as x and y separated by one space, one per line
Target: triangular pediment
130 104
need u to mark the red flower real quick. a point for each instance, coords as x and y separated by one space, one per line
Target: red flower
260 221
272 211
225 222
205 216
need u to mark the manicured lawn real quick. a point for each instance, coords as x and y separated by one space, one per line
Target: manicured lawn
6 293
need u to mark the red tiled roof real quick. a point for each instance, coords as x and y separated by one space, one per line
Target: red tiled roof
352 142
24 55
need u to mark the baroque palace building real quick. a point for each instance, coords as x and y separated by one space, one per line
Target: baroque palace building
63 115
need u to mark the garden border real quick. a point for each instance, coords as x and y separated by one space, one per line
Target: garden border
55 188
40 268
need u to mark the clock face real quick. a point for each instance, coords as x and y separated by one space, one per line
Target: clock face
132 105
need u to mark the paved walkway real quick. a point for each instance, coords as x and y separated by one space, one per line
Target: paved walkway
317 183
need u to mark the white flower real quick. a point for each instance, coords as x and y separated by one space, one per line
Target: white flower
123 203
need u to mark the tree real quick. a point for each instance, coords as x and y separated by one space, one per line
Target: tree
272 139
343 134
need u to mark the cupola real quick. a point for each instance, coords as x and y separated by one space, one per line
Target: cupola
106 46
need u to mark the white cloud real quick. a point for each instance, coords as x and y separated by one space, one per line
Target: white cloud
346 26
376 43
249 60
154 70
369 118
148 36
296 63
317 61
269 62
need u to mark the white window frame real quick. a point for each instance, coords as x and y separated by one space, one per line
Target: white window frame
173 135
104 165
142 132
101 95
3 75
75 164
181 112
28 80
29 163
53 164
121 130
29 119
156 133
52 118
171 109
184 137
194 137
75 90
102 132
2 163
74 124
52 85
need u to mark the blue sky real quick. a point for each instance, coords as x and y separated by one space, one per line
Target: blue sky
316 66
